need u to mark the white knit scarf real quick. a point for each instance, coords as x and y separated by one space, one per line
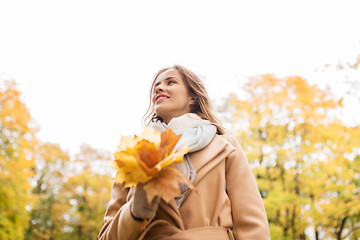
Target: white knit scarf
196 132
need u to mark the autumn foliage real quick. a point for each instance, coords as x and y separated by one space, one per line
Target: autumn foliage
306 161
147 159
17 143
44 192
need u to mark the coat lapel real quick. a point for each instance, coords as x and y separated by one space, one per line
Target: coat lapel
210 156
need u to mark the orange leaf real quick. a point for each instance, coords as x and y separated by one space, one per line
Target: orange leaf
148 153
166 184
168 140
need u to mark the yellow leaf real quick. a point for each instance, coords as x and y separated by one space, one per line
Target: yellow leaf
151 135
174 157
128 142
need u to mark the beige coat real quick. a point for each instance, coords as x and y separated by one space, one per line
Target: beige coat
225 197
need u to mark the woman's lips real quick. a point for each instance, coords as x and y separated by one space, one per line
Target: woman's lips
160 98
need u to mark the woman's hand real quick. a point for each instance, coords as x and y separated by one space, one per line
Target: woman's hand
140 208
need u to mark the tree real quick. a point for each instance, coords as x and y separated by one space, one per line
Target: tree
304 158
45 194
17 141
50 176
85 195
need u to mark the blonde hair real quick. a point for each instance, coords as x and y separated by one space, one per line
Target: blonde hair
202 104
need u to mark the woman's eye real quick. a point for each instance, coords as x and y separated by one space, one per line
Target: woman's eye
171 81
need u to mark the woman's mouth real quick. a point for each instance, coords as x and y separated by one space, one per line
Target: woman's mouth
160 98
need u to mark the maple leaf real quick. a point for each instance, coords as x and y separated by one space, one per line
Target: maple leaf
169 140
146 159
166 184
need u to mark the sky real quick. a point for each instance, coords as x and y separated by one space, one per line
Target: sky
85 67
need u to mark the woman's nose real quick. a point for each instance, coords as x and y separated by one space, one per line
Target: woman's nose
159 88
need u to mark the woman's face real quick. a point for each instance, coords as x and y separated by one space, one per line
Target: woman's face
170 96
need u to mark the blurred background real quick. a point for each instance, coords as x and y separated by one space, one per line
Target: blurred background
284 77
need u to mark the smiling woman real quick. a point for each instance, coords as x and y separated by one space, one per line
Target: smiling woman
223 201
199 103
170 96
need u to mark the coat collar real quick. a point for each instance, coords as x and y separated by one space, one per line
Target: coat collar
207 158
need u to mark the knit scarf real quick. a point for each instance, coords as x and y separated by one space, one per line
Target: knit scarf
196 132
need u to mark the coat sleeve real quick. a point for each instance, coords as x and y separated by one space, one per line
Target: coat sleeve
247 207
118 222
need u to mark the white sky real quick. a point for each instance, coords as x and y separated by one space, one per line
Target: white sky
84 67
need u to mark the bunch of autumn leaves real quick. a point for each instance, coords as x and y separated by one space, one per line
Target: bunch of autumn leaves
148 159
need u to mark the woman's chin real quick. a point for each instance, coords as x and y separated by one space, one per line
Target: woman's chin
161 111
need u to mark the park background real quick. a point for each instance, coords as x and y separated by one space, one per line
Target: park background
75 76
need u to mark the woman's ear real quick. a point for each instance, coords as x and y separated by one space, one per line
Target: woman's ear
193 100
194 103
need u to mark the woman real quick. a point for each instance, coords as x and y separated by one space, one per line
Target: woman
225 202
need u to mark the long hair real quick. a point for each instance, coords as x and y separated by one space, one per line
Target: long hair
201 106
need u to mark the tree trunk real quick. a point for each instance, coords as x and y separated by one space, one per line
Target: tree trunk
341 228
316 233
293 225
286 227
